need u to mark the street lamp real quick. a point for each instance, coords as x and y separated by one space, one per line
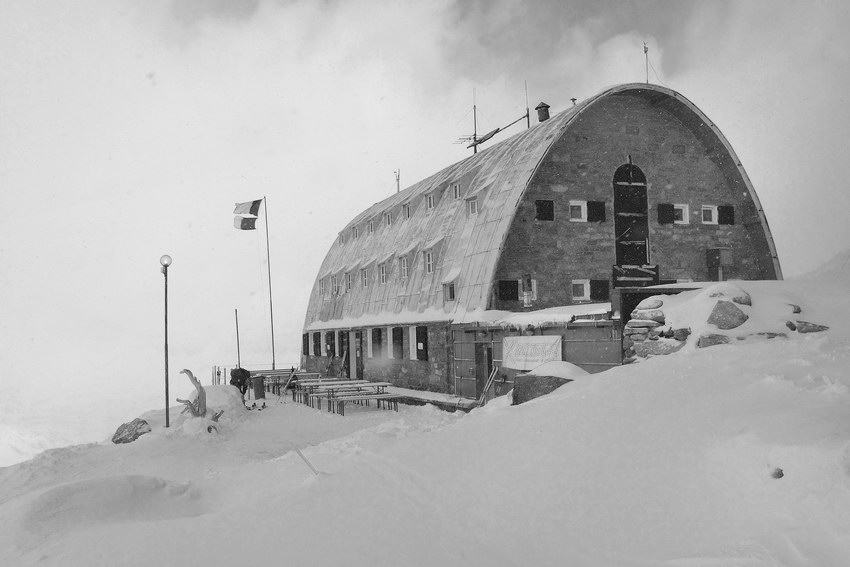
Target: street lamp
165 261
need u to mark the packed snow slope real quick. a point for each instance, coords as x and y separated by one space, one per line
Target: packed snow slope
735 454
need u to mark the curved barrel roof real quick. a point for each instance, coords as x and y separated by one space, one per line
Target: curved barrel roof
465 246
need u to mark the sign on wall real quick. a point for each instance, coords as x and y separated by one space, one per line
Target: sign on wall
527 353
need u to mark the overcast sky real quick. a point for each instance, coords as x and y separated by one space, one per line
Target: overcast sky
128 130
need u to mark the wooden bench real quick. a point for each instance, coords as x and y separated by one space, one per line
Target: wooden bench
303 388
273 380
340 401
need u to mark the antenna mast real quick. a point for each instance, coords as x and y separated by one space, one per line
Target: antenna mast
646 56
527 113
474 124
397 178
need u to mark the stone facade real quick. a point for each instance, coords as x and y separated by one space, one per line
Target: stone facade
679 169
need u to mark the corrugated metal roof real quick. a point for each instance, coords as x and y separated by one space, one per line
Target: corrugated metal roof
471 243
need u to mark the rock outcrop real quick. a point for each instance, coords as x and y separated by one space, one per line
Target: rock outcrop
129 432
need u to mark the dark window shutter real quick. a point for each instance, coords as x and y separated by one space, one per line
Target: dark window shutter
305 344
599 290
422 343
666 213
509 290
596 211
545 210
725 214
398 342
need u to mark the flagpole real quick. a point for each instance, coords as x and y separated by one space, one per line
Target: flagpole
269 264
238 356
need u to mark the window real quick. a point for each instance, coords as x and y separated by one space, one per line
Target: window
341 239
578 211
388 219
596 211
527 284
431 201
580 290
455 190
508 290
377 342
382 274
305 344
398 342
403 267
405 211
599 290
429 262
709 214
347 282
371 227
355 231
681 214
322 287
364 277
726 214
449 292
334 286
422 343
545 210
472 207
330 343
317 344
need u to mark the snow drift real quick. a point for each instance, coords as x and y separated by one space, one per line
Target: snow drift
731 455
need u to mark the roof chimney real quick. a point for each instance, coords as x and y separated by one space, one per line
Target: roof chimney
574 101
542 112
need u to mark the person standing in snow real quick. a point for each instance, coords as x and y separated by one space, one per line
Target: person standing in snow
239 377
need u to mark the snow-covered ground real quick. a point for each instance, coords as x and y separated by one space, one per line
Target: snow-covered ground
736 454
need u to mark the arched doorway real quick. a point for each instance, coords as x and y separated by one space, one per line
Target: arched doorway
631 218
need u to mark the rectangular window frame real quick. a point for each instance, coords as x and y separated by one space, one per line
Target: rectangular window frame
429 262
355 231
713 210
403 268
585 296
685 211
382 274
371 227
388 219
472 206
583 211
449 292
347 281
364 277
455 191
431 201
405 210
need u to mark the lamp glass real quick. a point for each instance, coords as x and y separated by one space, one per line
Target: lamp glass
165 260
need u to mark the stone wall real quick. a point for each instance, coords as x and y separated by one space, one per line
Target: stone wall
679 169
433 375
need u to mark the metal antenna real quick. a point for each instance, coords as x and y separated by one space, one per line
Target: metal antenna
646 56
527 113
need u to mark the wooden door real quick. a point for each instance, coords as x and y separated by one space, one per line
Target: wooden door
631 217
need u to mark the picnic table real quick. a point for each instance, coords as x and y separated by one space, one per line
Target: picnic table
274 380
340 392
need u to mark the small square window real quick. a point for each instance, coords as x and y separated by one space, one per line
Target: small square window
403 266
472 207
455 190
709 214
580 290
449 291
364 277
545 210
681 214
382 273
578 211
429 262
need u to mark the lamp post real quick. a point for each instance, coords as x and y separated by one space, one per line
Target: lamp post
165 261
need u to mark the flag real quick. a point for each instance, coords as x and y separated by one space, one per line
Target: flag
249 208
245 223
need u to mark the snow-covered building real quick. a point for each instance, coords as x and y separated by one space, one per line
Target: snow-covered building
520 253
